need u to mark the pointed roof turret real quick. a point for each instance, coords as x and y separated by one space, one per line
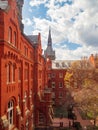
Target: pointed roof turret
49 38
49 52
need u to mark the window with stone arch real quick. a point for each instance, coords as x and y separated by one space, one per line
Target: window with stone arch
10 112
10 35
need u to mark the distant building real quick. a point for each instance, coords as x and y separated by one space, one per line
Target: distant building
56 72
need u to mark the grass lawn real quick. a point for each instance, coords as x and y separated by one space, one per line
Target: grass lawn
58 111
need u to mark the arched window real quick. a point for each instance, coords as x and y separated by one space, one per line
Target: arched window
8 73
14 39
10 35
10 112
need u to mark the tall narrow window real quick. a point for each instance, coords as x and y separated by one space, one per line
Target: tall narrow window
8 73
60 75
19 74
31 72
25 50
60 94
26 74
53 84
60 84
10 35
14 39
10 112
13 73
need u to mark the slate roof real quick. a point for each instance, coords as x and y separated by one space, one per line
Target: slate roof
61 64
33 38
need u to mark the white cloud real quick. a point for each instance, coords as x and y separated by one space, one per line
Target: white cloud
37 2
77 23
65 53
27 22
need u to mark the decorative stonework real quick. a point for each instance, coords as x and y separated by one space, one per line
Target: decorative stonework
3 121
18 110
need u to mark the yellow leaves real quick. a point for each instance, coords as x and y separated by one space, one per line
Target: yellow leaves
86 82
87 98
68 76
81 75
68 79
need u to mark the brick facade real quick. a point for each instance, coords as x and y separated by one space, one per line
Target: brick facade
56 76
23 77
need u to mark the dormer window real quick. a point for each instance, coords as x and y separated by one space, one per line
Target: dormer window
57 64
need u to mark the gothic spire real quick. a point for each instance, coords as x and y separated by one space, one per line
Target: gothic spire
49 38
49 52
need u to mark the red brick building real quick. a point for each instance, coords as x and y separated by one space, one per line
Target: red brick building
56 73
25 100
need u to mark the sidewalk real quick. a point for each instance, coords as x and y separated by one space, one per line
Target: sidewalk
56 122
79 119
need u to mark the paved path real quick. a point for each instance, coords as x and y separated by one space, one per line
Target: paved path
56 122
79 119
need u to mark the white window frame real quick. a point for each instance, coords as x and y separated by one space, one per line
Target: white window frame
10 113
60 84
53 84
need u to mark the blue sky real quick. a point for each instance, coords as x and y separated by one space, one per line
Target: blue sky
74 25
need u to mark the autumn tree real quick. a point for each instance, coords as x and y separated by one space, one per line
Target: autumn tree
87 99
83 86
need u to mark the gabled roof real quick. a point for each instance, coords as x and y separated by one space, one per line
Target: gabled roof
33 38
